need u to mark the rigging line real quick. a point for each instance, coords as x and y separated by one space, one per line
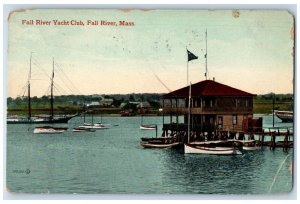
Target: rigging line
161 81
47 91
59 87
41 68
73 87
58 76
58 91
72 84
63 82
66 85
22 91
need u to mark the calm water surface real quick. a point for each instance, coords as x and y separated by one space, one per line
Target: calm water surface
111 161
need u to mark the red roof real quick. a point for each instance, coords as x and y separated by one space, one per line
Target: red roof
208 88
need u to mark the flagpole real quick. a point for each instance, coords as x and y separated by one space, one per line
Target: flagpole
206 54
187 67
189 114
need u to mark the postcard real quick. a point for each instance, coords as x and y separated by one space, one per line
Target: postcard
141 101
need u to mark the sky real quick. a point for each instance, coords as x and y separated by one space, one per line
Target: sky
248 50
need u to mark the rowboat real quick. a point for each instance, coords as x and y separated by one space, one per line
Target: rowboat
196 149
49 130
81 129
155 145
148 127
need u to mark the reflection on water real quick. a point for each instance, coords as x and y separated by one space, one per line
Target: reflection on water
112 161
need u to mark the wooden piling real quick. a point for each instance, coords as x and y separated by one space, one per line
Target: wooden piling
273 141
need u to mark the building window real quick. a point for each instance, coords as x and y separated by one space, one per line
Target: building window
236 103
211 120
211 103
220 121
246 103
234 119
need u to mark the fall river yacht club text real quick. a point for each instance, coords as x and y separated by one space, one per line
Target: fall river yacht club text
77 23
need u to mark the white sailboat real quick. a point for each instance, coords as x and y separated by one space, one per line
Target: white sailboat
195 149
83 129
92 125
147 127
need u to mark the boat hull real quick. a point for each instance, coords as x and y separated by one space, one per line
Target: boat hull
151 145
147 127
188 149
251 148
83 130
48 130
93 127
285 116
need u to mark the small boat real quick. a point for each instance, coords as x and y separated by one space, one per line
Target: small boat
248 145
92 126
148 127
102 124
160 145
196 149
161 139
82 129
285 116
251 148
49 130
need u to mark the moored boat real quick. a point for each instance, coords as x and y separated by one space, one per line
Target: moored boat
160 145
251 148
196 149
148 127
49 130
93 126
83 129
285 116
248 145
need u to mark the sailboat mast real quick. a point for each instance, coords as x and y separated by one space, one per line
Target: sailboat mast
29 100
206 54
51 99
189 114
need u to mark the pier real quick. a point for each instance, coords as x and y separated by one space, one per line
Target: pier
271 137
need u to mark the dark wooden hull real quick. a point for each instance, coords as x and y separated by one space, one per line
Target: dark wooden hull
285 116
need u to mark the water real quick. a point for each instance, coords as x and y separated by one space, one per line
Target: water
111 161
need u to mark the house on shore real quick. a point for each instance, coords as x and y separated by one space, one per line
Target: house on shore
214 107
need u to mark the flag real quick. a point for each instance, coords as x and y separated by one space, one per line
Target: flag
191 56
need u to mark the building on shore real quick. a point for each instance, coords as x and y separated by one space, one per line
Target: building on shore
214 107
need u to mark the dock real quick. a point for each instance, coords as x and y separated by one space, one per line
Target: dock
271 137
